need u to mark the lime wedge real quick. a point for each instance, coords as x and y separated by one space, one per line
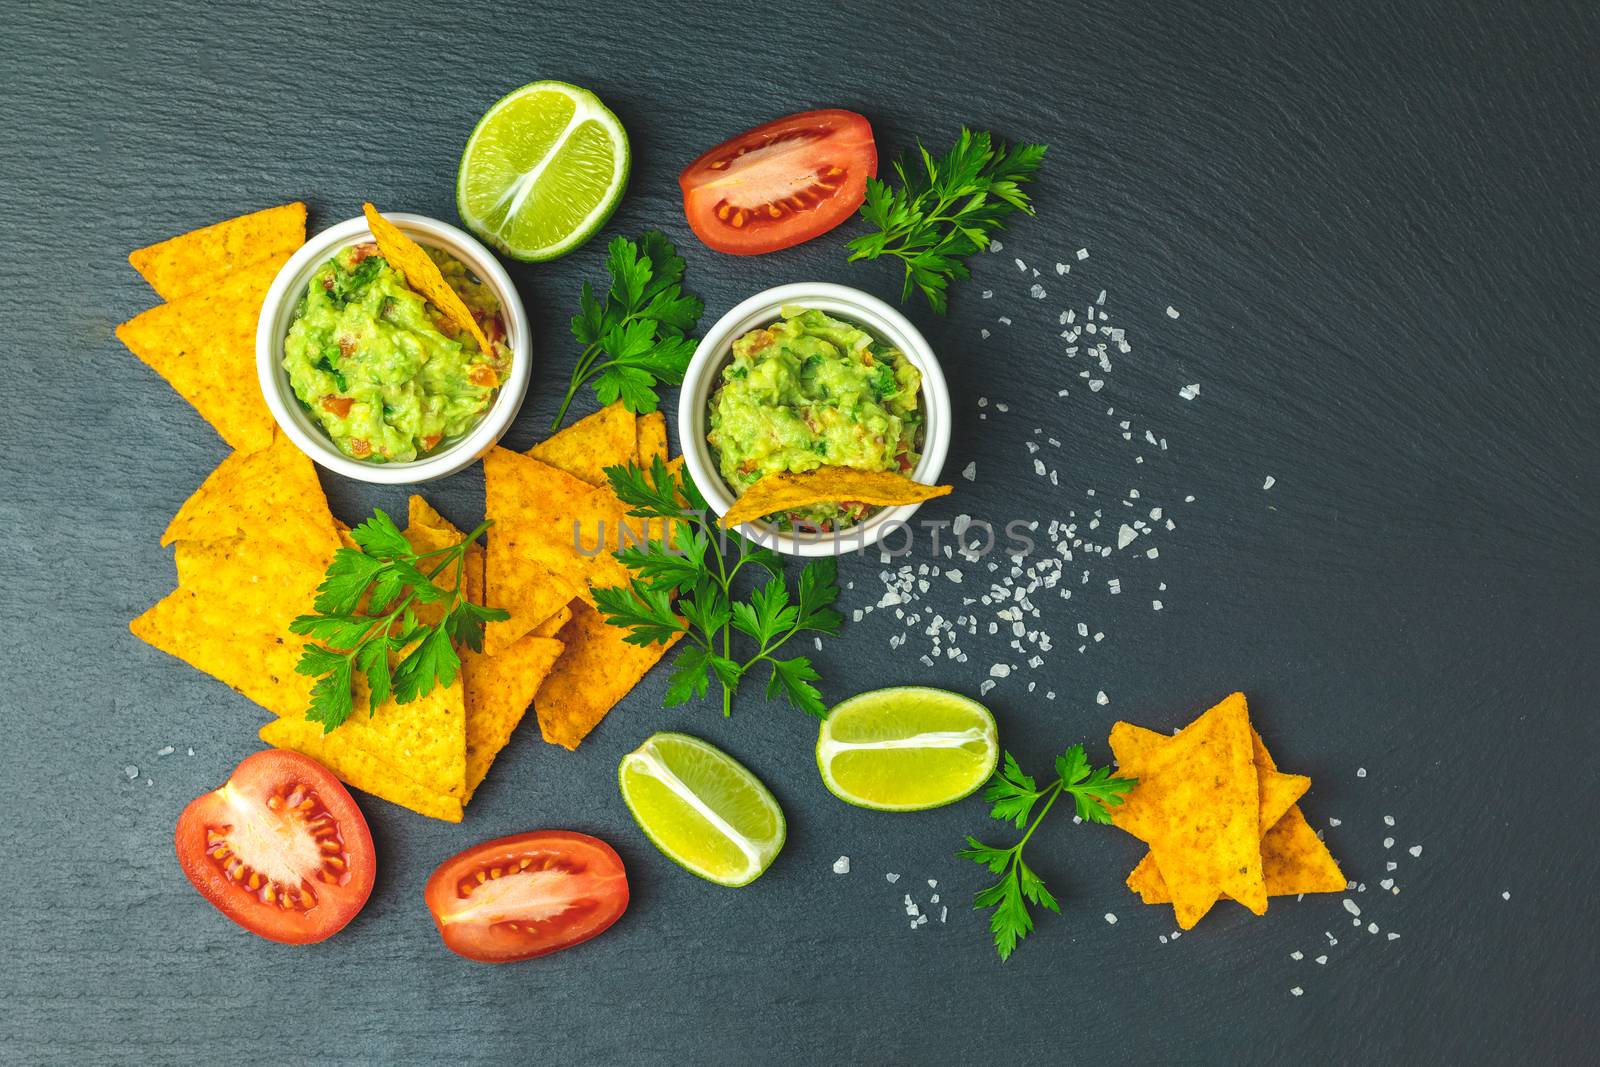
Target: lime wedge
907 748
702 808
542 171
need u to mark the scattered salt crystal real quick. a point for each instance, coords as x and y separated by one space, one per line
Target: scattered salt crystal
1372 928
1062 268
165 751
970 471
1083 253
1506 895
1000 670
1391 865
1155 605
1111 919
1335 822
1020 265
1361 772
1351 906
1125 536
985 334
1388 820
1153 553
1101 698
1393 936
1388 842
1297 991
1269 483
1416 851
995 246
131 771
988 294
984 686
1297 955
891 878
946 911
1172 312
1189 392
1322 960
1037 292
191 751
841 865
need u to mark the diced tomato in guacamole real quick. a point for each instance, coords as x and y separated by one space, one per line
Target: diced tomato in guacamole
385 373
812 391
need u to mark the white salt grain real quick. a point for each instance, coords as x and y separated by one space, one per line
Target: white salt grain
1172 312
1189 392
1297 955
1083 253
1351 906
1101 698
166 751
131 771
970 471
1269 483
1416 851
1111 919
891 878
1297 991
841 865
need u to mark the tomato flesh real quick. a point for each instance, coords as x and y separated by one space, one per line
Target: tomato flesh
280 848
781 183
518 897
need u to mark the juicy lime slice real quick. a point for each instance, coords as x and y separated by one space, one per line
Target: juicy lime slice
906 748
702 808
542 171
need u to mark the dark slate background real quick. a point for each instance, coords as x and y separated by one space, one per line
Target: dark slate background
1380 228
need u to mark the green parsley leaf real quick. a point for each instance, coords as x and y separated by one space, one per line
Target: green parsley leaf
635 339
1013 796
939 217
364 618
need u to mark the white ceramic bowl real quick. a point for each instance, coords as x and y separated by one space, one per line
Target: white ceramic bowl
851 305
277 312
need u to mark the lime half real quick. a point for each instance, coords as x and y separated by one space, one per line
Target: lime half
702 808
907 748
542 171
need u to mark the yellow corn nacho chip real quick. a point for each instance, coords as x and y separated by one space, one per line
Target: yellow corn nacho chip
596 671
786 492
200 259
652 438
500 689
561 524
422 274
1135 746
1294 859
608 438
1197 805
274 490
358 768
204 345
424 741
552 626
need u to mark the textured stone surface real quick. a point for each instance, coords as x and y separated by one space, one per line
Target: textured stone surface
1380 233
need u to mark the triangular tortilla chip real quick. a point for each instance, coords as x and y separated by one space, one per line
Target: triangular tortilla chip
1135 746
204 345
1198 807
596 671
786 492
201 259
560 524
358 768
1294 859
272 491
423 274
652 438
608 438
499 690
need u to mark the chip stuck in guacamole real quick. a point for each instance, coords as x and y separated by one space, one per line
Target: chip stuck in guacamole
812 391
386 373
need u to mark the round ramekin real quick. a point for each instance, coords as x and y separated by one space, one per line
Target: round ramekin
854 306
277 312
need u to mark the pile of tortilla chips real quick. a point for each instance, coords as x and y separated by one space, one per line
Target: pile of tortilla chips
1218 815
252 544
203 339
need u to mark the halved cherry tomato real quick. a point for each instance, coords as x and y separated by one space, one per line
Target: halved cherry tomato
781 183
281 849
515 898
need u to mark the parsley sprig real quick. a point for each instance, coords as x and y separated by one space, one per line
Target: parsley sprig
938 218
1013 796
634 340
365 618
686 583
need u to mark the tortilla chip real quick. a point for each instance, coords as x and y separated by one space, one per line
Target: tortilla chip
1135 747
423 274
204 345
201 259
358 768
652 438
608 438
531 594
596 671
1197 805
499 690
1294 859
542 516
552 626
254 656
424 741
786 492
428 531
267 578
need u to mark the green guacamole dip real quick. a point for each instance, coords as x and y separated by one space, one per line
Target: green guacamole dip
811 391
384 372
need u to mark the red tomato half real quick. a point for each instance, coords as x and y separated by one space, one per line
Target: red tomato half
781 183
515 898
281 849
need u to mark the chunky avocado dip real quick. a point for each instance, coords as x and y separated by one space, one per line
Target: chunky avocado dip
812 391
383 371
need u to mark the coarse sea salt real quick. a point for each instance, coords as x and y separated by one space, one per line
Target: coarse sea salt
1189 392
841 865
1172 312
1269 483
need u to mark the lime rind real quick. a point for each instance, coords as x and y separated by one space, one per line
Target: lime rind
587 109
876 714
648 761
